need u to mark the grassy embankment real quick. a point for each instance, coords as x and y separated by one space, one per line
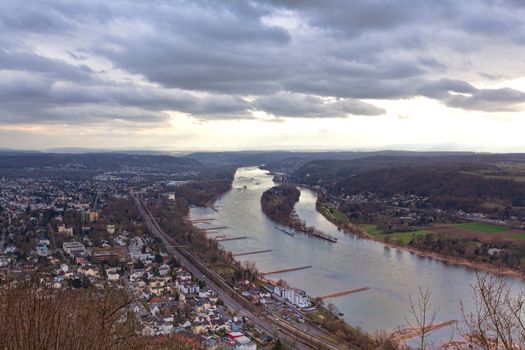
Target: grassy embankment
332 214
399 237
350 337
404 238
340 219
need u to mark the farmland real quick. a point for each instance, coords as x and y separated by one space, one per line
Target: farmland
482 227
469 241
479 231
472 230
399 237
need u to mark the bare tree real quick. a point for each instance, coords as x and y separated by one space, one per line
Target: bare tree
283 283
498 319
33 316
250 270
423 319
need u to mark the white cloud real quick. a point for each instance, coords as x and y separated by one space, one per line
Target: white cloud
242 66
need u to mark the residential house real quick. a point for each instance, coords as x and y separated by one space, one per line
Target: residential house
295 296
42 249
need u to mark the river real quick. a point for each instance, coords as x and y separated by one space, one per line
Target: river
391 274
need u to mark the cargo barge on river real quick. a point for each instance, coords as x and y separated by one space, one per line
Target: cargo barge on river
322 235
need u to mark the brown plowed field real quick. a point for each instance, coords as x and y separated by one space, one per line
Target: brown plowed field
453 230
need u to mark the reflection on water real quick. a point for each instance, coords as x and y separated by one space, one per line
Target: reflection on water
391 274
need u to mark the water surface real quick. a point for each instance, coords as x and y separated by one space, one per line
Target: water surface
391 274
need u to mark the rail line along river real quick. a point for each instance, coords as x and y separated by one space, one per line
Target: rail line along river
391 274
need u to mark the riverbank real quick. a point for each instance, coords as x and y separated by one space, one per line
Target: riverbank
343 223
334 331
391 274
346 226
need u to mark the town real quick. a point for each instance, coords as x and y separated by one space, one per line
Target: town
87 233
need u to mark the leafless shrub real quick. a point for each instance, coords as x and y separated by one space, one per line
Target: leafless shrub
36 317
497 321
422 322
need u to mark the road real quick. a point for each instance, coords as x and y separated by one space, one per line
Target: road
231 298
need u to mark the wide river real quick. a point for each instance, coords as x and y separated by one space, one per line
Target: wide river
391 274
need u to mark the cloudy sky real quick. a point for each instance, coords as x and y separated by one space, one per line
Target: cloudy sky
281 74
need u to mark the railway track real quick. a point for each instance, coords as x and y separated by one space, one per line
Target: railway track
236 302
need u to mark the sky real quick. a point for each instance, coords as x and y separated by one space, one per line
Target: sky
276 74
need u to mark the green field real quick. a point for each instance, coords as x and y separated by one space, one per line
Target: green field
405 237
483 228
402 237
372 230
519 236
332 214
224 270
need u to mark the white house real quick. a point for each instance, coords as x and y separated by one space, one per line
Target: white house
188 287
244 343
164 270
113 274
247 346
113 277
135 250
296 296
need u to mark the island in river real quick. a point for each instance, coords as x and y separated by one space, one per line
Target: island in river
391 274
278 204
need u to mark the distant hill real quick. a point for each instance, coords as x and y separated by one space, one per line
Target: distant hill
332 169
93 160
292 160
80 150
475 182
446 188
11 151
243 158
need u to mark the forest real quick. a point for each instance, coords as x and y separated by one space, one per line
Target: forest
447 189
480 183
498 254
278 203
202 193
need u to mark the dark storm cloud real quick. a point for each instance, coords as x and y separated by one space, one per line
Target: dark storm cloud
63 61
